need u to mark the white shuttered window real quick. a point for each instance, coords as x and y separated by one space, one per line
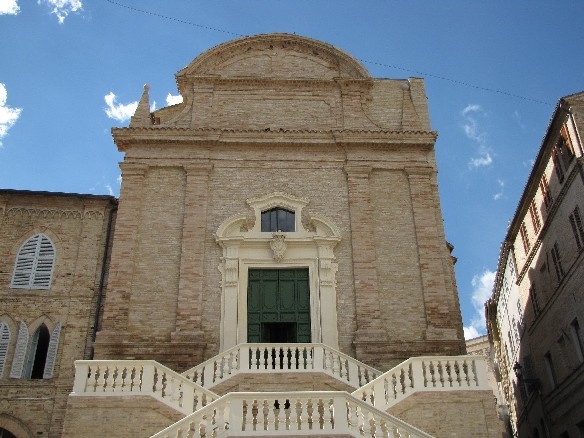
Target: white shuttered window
35 355
20 352
4 344
34 264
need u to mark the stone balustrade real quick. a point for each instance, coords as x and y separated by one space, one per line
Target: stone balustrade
144 377
293 413
432 373
274 358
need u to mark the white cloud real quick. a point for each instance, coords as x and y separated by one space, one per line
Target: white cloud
62 8
9 7
517 117
8 115
499 194
484 159
119 111
473 130
482 289
173 100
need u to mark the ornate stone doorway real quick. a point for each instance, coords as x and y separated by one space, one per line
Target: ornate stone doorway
305 248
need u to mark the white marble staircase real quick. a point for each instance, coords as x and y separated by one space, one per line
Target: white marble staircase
361 413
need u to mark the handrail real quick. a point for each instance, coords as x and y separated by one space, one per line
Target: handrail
274 358
293 413
139 377
427 373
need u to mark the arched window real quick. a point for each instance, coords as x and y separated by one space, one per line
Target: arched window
6 434
278 219
4 344
34 264
34 356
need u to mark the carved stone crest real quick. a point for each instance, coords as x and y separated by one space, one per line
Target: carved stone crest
278 245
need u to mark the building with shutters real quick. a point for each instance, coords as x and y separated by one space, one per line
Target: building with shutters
52 273
535 314
278 263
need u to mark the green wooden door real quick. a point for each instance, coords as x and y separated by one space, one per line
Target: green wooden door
278 305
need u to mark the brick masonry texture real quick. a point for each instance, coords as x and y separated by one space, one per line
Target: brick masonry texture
261 115
77 225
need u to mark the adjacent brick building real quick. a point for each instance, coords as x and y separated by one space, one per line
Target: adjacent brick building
537 309
291 201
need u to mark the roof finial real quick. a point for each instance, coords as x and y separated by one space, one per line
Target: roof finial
142 115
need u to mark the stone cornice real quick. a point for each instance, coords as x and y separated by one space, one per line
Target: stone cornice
269 44
54 213
125 137
283 83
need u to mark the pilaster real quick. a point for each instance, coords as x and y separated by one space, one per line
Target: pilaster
441 320
192 262
121 271
369 325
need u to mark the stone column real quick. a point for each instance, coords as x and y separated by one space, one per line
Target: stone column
192 261
121 270
370 329
440 317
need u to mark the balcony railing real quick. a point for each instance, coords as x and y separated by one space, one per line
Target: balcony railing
293 413
276 358
432 373
144 377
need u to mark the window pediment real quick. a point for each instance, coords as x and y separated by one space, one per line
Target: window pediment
248 226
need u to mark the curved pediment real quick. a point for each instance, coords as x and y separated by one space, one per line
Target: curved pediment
279 56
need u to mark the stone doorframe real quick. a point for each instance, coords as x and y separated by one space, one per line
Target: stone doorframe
310 246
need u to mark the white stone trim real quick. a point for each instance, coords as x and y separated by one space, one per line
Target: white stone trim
245 248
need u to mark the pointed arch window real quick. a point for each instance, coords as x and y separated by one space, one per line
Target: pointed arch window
34 264
34 356
4 344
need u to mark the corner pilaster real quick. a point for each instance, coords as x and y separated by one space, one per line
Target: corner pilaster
121 271
438 301
192 262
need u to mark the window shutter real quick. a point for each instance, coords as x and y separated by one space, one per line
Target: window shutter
25 263
20 352
31 355
52 352
4 344
44 264
34 264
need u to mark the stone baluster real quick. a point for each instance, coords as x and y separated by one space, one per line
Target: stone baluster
328 413
100 381
268 417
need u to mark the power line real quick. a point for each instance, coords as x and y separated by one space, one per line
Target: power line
457 82
178 20
364 61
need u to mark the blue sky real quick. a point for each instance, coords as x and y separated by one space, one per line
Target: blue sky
494 70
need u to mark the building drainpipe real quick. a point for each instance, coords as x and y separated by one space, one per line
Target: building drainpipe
101 287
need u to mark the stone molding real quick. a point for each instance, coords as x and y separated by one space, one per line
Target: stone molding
271 44
245 246
46 213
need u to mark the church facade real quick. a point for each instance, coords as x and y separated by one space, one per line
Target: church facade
278 231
